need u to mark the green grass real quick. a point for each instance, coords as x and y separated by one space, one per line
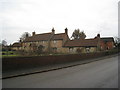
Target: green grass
8 54
17 54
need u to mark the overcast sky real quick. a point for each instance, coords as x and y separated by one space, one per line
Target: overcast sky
90 16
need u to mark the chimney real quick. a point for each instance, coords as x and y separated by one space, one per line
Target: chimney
20 40
33 33
66 31
53 30
26 34
98 35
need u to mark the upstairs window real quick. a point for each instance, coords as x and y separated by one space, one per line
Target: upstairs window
54 41
43 42
87 50
70 49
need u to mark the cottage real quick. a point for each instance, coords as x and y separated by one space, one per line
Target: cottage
107 43
49 42
60 43
16 46
90 45
83 45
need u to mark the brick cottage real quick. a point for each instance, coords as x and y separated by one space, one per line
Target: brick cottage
61 43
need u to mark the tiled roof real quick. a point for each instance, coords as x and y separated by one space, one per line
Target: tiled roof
107 39
39 37
82 43
17 44
60 36
45 37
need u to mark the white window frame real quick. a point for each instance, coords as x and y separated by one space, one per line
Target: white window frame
43 42
71 49
54 41
87 50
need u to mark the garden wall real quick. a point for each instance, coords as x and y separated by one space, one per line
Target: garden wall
17 63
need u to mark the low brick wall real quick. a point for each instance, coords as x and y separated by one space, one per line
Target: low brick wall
17 63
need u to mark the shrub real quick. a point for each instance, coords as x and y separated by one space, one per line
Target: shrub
3 53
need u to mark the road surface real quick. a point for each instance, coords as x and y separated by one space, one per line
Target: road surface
98 74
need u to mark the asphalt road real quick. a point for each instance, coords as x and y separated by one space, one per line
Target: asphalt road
98 74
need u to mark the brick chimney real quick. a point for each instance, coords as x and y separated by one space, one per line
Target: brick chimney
66 31
98 35
20 40
53 30
33 33
26 34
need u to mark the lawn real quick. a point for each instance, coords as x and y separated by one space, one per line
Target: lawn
8 54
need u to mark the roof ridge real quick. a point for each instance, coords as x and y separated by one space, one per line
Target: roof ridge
44 33
59 33
81 39
106 37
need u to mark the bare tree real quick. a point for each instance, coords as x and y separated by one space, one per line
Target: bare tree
78 35
24 36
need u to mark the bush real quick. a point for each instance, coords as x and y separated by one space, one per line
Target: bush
4 49
3 53
12 53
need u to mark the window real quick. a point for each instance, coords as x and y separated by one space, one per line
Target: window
30 45
37 42
54 49
107 48
54 41
24 47
70 49
40 48
87 50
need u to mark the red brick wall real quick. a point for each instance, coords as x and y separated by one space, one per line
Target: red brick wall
17 63
107 45
102 45
110 45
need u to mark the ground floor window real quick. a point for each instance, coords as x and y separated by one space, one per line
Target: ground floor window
54 49
87 50
70 49
41 47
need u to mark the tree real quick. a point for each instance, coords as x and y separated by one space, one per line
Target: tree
40 49
78 35
117 41
24 36
4 43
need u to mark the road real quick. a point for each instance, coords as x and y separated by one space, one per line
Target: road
98 74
